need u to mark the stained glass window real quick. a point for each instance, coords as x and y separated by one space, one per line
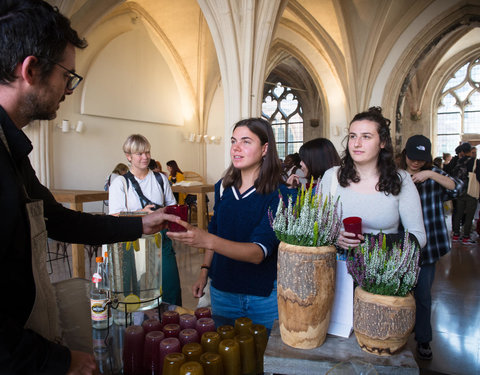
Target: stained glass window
459 109
282 108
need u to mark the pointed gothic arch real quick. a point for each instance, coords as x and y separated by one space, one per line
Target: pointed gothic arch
287 65
411 98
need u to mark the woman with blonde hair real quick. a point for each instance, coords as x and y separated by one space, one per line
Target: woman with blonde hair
141 189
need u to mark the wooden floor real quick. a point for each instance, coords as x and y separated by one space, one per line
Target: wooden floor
455 313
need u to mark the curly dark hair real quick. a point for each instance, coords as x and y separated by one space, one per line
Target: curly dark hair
270 175
389 181
33 28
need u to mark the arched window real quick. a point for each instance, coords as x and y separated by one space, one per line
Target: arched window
459 109
282 108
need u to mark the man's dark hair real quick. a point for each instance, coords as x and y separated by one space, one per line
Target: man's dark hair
33 28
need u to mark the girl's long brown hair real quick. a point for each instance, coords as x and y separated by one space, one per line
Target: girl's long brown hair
270 175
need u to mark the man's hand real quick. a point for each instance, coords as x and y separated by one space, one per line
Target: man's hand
82 364
156 221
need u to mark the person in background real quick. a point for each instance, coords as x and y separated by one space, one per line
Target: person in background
143 190
449 170
291 165
465 204
159 168
453 161
316 156
156 166
37 73
119 170
152 165
241 246
438 162
434 186
446 159
176 175
371 187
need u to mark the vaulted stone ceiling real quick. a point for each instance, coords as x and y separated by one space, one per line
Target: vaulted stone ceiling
353 36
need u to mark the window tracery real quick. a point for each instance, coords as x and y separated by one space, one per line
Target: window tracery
281 106
458 112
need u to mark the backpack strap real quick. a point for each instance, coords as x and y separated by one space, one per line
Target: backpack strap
144 201
125 189
159 178
107 183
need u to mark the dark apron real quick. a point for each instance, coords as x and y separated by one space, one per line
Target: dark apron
44 317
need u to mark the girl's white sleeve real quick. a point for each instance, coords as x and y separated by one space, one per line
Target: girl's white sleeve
410 209
117 201
169 198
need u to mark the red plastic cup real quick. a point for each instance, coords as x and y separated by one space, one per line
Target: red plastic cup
179 210
353 224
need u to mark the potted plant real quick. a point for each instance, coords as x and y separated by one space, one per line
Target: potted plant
307 229
384 307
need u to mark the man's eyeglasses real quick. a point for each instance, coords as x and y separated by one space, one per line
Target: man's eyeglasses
73 79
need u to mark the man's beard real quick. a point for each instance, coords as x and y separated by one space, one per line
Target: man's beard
35 109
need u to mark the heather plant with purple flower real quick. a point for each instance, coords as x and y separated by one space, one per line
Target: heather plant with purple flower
379 270
313 220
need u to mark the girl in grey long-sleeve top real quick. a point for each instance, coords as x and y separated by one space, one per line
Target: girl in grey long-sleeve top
369 184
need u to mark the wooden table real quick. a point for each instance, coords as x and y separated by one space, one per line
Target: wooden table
336 352
76 198
199 191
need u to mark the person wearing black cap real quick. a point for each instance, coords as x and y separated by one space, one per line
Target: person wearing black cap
466 204
434 186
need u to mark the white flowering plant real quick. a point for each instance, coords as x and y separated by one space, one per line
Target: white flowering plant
380 270
314 219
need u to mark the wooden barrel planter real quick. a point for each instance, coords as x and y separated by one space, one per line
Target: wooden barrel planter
305 291
382 324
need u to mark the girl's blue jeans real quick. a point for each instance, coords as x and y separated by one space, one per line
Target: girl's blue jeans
262 310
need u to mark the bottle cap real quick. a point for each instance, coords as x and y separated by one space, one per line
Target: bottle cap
99 259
